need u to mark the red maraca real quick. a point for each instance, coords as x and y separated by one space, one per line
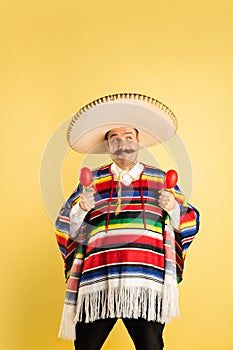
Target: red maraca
171 178
85 177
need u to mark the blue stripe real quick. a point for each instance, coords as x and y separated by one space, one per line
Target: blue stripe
120 270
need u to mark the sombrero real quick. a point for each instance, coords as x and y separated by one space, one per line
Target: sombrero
155 122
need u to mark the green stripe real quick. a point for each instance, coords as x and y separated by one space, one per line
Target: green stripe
127 221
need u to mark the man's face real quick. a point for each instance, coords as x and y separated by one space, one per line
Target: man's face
123 146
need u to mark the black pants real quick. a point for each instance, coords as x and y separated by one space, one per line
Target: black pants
145 335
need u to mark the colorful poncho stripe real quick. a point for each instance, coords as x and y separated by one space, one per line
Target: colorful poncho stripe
120 263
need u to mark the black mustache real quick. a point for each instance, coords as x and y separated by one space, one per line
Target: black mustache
120 151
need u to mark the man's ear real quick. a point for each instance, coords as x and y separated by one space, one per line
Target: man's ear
107 145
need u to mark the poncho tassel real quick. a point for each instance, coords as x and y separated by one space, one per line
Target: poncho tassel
67 326
170 306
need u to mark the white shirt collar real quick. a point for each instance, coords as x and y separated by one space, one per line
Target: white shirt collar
126 176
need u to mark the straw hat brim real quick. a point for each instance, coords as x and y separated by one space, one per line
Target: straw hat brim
155 122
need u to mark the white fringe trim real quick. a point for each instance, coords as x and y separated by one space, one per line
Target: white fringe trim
67 326
170 290
170 307
128 302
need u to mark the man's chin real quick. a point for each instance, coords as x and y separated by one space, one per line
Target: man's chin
123 162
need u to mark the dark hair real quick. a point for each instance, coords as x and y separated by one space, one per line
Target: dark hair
106 135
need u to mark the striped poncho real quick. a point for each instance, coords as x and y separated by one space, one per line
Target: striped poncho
116 266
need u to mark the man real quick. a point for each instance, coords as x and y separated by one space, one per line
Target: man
126 236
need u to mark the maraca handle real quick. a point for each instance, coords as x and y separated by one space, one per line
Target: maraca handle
86 189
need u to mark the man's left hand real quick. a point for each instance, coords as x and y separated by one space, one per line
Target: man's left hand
167 200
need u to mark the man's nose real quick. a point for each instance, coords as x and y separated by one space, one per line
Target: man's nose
121 143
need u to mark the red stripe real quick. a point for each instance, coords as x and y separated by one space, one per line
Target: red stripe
71 248
73 284
67 243
104 185
123 256
168 253
64 218
179 261
120 239
186 240
190 216
61 240
152 184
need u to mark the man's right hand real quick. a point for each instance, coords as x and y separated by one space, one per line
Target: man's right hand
87 200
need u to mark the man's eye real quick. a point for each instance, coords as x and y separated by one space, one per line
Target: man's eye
115 140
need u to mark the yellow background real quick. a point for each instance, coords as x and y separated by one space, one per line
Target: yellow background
55 57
